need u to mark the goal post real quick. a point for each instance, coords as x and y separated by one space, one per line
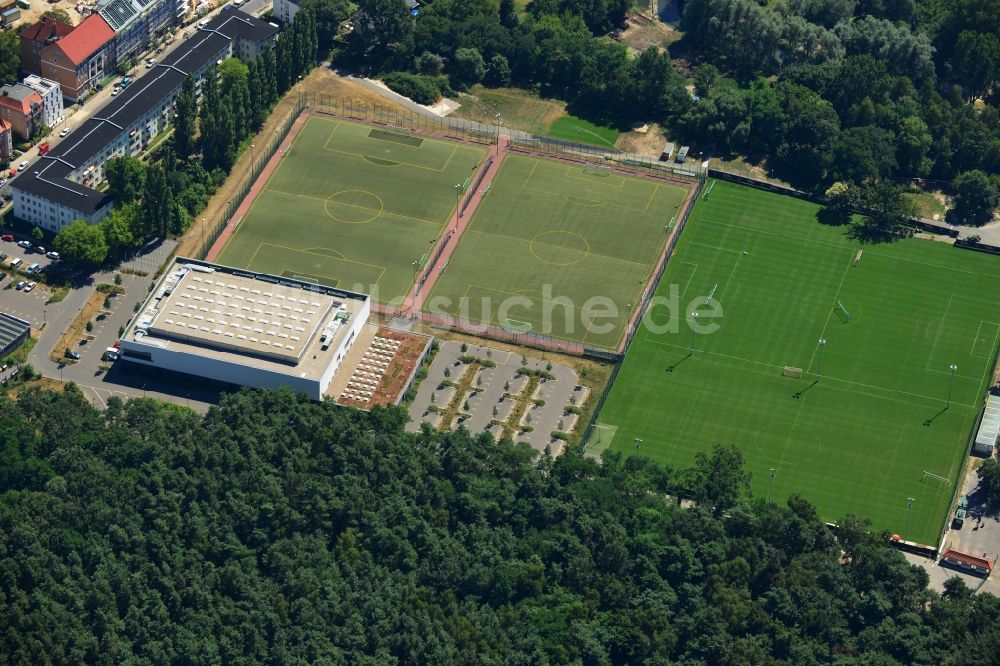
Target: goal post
595 169
935 480
857 258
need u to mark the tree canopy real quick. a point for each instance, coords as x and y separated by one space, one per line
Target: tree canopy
81 243
277 530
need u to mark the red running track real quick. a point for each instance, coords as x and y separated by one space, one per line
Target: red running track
455 228
256 188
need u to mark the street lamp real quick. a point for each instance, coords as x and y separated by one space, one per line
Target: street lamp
906 525
951 382
819 371
770 486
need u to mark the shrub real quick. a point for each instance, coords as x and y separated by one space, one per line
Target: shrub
421 88
89 326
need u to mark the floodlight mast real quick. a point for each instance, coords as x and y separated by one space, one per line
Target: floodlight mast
819 370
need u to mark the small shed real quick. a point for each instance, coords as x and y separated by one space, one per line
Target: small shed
969 563
10 16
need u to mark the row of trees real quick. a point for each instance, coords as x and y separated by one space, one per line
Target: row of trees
278 530
822 91
160 198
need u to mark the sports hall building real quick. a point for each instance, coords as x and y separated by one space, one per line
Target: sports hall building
246 328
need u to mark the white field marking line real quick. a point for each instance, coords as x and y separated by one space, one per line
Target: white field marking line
739 258
829 314
981 322
825 377
944 320
837 245
945 372
690 277
713 247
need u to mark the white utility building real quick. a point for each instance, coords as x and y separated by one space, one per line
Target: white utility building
245 328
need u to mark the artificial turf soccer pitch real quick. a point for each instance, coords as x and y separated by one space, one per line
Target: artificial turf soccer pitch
547 239
353 206
859 437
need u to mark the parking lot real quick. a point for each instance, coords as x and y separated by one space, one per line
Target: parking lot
28 305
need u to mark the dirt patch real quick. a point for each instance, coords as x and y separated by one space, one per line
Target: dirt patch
647 141
643 33
399 370
75 331
319 82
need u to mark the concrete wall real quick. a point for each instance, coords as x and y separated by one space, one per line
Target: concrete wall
217 369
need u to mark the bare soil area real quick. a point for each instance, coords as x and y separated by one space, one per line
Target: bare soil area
643 33
648 140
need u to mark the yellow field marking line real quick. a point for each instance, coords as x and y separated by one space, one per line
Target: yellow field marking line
531 173
593 202
398 163
329 249
591 253
382 269
330 137
454 150
651 197
386 212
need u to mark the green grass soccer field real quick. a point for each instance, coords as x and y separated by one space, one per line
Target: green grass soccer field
553 239
863 432
353 206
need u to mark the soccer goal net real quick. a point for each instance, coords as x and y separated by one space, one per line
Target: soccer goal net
842 313
935 481
597 169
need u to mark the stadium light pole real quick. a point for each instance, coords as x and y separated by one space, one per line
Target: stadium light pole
695 316
770 486
819 370
498 133
638 443
906 525
951 382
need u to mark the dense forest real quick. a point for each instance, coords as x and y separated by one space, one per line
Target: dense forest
275 530
820 91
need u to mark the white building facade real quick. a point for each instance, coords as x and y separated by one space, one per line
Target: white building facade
52 98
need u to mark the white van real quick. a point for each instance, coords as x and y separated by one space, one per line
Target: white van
16 261
202 23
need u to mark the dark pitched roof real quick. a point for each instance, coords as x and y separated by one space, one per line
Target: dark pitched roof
47 177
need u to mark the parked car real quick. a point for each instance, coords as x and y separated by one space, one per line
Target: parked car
52 255
39 249
20 284
72 354
150 63
42 149
3 257
2 181
22 166
64 132
115 91
111 354
7 237
33 268
25 244
3 276
16 261
28 287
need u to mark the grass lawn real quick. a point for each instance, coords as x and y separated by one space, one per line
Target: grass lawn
929 206
552 239
352 206
853 436
578 130
518 108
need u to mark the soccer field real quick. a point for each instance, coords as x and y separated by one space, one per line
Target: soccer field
353 206
554 246
860 434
